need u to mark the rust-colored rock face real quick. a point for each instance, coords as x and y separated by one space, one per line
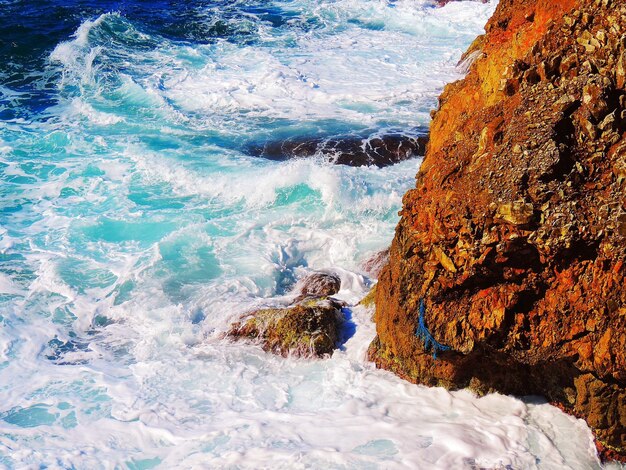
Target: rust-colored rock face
507 271
311 328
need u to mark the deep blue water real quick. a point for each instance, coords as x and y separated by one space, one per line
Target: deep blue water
29 31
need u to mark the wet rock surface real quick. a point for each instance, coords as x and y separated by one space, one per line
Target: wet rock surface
380 151
375 263
514 239
311 328
317 284
441 3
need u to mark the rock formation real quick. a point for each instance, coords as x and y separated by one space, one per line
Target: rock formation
311 327
507 269
376 150
317 284
373 265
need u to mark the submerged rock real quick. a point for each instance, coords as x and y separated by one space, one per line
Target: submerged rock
311 328
507 271
377 151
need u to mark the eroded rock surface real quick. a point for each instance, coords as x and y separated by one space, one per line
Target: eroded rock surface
375 263
514 239
311 328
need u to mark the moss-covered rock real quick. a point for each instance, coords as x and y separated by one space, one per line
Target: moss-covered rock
311 328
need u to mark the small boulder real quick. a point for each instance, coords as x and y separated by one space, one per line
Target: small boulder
317 284
309 329
375 263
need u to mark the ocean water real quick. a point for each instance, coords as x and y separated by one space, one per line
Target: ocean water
135 226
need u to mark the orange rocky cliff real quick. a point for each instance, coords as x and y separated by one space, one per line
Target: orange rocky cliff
507 269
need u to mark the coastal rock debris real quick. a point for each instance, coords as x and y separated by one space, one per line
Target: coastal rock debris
374 264
317 284
515 234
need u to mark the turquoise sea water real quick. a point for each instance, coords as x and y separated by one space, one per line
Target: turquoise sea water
135 226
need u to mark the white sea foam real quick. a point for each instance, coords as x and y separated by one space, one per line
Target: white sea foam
77 53
353 75
7 286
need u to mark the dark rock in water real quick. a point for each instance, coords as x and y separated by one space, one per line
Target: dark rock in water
310 329
318 284
375 263
380 151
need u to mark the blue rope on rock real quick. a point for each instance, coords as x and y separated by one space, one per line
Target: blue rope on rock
425 336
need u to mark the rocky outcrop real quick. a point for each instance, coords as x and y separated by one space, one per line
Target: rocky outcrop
317 284
377 150
373 265
507 269
311 328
